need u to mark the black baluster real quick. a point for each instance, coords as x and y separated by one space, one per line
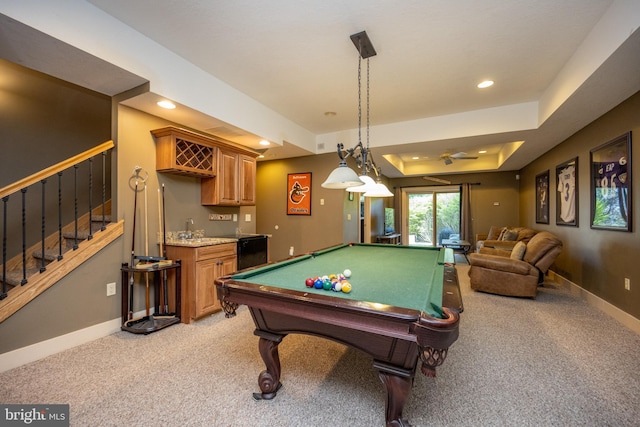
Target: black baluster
60 216
90 236
43 267
24 236
104 189
3 295
75 206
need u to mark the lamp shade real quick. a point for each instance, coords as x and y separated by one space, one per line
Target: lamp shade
368 185
378 190
342 177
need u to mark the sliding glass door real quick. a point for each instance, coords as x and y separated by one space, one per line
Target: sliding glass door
430 214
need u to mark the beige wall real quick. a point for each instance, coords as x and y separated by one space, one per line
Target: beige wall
493 196
597 260
328 223
136 147
45 121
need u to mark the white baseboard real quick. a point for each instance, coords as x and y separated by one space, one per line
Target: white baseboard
34 352
595 301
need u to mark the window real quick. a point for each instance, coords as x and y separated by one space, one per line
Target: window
431 214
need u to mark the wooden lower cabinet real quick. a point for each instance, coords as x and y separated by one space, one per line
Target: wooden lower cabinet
200 267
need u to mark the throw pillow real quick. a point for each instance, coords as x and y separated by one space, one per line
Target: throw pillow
518 251
494 232
510 235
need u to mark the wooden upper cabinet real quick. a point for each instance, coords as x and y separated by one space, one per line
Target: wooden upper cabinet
235 182
185 153
247 182
228 170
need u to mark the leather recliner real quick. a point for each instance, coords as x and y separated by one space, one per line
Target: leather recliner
498 272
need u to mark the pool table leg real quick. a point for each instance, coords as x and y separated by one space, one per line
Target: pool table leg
269 379
398 386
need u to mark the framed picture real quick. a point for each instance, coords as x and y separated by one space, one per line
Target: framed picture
542 198
567 193
611 184
299 193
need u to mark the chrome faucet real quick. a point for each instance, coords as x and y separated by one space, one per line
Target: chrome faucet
187 234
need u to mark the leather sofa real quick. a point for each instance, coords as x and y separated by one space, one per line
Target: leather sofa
504 238
508 273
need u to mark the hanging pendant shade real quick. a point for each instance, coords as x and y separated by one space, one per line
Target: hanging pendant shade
368 185
342 177
378 190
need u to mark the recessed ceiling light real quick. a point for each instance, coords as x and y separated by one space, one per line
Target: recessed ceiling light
482 152
265 142
167 104
485 84
415 158
330 113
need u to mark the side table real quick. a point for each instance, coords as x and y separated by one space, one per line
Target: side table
458 246
161 317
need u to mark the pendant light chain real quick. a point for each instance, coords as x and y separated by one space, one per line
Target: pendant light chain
367 103
359 98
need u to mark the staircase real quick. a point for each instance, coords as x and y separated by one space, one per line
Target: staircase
33 270
37 262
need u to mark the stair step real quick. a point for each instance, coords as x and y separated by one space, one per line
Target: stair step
49 254
98 218
82 235
14 278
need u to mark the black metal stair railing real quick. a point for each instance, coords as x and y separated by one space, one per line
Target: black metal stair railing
12 251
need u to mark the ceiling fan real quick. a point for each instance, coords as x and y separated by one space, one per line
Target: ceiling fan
448 158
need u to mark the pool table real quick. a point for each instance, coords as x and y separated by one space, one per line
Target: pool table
404 305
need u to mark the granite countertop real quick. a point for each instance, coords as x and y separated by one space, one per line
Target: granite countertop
196 242
200 241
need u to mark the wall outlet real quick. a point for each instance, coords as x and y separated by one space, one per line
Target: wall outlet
627 283
111 289
219 217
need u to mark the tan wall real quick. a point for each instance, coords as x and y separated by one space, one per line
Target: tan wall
136 147
597 260
494 197
326 226
46 121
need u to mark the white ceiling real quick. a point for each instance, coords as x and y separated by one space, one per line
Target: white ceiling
296 58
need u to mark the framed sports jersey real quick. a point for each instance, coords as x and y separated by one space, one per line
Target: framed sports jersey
567 193
542 198
611 184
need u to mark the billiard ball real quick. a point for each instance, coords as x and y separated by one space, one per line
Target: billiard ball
337 286
318 284
326 285
347 273
346 287
309 282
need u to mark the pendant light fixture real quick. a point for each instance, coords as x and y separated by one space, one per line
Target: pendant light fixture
344 177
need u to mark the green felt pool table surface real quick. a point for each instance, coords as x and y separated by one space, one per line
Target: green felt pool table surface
402 276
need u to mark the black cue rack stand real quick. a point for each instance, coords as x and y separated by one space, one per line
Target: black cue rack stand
159 268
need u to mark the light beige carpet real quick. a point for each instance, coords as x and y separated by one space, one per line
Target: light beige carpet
518 362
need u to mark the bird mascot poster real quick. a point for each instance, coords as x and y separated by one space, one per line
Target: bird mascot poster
299 193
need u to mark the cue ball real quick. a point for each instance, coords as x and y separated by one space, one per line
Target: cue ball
347 273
